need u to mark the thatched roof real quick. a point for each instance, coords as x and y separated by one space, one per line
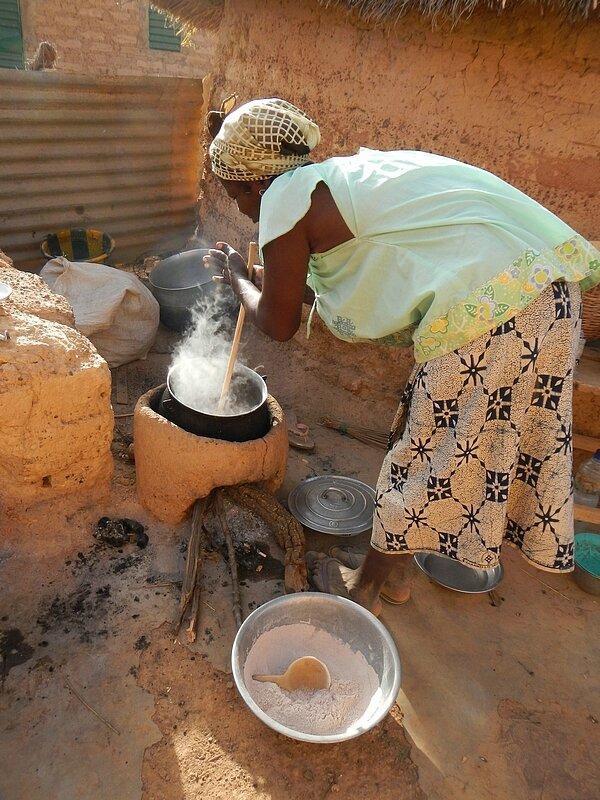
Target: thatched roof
189 14
386 11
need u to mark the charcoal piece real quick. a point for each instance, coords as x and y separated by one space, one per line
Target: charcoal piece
142 540
111 531
132 525
118 532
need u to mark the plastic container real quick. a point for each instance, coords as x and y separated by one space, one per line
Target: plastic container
587 562
587 481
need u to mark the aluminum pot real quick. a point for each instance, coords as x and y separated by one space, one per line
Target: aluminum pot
252 424
180 282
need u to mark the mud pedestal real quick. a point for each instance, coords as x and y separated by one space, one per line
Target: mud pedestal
56 420
175 468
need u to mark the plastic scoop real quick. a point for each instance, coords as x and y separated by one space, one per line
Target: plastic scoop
303 673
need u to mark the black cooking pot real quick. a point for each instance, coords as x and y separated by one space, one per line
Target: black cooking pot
252 424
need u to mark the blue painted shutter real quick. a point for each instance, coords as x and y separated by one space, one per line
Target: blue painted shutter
11 34
161 35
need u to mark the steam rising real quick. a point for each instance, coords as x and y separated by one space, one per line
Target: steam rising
200 360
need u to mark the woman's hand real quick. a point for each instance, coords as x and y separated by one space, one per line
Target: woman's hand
273 298
231 263
227 260
257 276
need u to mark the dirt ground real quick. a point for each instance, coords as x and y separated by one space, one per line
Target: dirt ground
100 698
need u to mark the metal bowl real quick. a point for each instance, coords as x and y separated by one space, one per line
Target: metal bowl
343 619
585 578
456 576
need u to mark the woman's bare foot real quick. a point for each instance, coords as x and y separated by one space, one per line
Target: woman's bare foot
394 590
332 577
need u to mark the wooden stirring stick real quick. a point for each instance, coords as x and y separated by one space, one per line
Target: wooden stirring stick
252 257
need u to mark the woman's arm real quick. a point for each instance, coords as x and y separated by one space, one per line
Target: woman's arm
277 309
257 280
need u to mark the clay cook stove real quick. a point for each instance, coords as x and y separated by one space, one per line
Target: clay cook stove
174 467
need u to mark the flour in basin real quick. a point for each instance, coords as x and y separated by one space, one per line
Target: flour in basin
354 690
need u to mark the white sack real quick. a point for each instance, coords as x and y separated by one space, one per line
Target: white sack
114 309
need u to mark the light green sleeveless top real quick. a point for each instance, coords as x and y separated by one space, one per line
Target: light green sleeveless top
442 251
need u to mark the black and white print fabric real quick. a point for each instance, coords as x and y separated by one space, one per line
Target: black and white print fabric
481 449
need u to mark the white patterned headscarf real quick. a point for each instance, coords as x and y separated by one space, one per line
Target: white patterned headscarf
262 138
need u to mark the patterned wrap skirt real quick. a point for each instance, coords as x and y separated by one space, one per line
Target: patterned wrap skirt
481 447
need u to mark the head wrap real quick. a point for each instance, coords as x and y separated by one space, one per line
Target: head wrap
262 138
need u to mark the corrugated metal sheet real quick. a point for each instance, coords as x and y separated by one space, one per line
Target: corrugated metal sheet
118 154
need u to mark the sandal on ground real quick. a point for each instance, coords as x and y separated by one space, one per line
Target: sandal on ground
298 437
318 563
349 554
353 557
394 601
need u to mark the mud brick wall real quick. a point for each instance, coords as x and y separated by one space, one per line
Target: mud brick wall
106 37
516 93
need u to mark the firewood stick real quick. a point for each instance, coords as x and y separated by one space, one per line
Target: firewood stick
237 602
192 628
287 530
197 528
192 565
252 257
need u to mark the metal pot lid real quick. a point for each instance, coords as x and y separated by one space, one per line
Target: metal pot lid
333 504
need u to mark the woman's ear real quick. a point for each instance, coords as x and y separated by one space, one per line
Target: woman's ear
263 185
